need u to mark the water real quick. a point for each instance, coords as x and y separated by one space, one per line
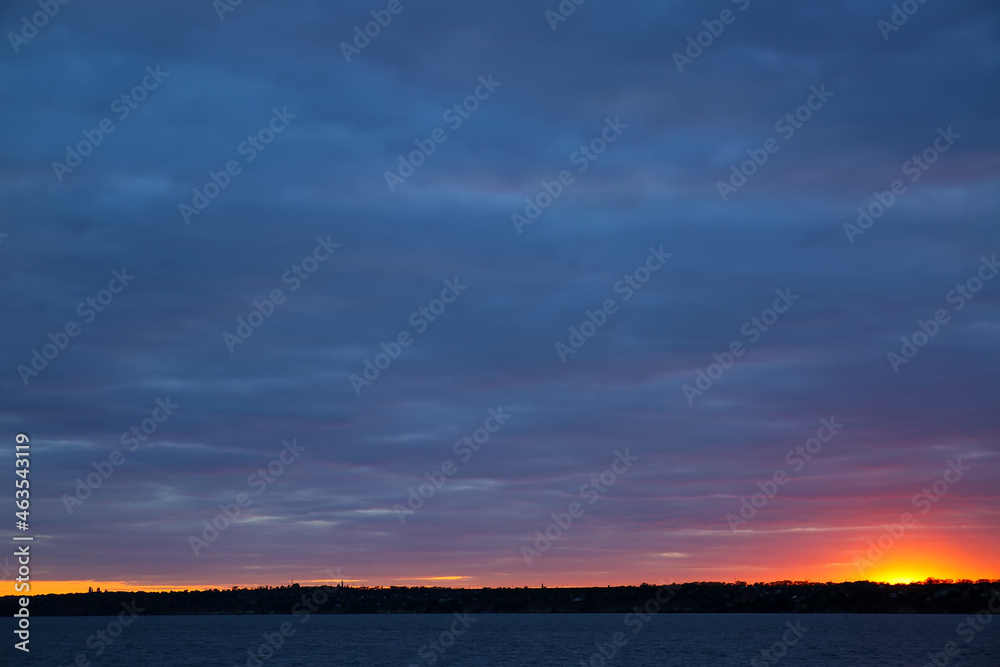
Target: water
514 640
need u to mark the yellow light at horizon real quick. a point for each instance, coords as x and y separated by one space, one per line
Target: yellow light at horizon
901 578
920 559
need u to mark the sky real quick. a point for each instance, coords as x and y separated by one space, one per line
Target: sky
501 294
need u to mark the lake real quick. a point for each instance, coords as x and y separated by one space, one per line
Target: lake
515 640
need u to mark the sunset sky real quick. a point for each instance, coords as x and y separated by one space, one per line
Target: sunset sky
620 132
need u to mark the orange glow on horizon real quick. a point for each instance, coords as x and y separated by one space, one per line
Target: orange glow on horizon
924 556
915 558
887 575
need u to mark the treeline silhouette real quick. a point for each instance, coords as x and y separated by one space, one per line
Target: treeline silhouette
862 597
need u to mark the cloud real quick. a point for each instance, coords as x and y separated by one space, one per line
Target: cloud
656 185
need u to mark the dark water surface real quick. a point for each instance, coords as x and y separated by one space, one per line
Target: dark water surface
488 640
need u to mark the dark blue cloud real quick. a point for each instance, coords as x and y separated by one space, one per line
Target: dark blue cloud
656 184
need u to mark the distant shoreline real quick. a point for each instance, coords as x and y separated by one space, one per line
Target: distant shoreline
700 597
